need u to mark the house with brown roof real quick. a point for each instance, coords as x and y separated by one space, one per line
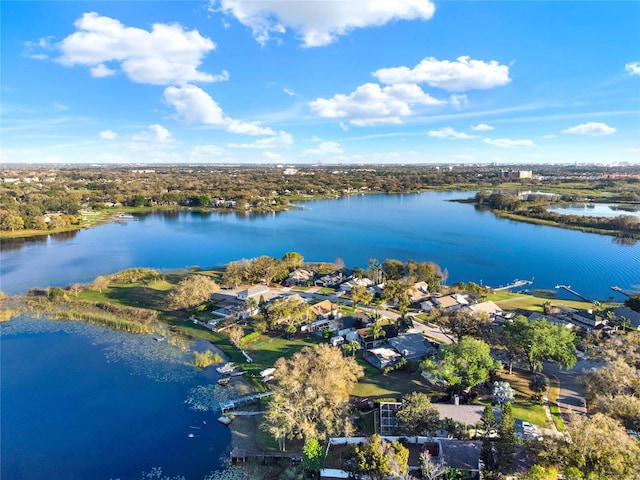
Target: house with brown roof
324 309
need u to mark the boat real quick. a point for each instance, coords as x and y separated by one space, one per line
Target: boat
224 420
191 435
226 368
224 381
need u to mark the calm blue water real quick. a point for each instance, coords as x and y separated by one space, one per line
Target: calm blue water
472 245
80 402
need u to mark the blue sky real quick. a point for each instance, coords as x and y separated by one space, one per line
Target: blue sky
305 81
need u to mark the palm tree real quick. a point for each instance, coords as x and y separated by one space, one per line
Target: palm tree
377 331
352 347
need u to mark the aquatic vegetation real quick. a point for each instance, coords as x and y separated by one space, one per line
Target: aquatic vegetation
203 398
206 358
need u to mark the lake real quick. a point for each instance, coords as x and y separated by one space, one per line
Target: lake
80 402
597 210
472 245
66 387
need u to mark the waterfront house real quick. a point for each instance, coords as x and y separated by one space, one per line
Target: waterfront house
347 286
632 316
450 303
301 276
489 308
587 318
418 292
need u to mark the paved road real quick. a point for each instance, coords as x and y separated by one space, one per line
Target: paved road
571 394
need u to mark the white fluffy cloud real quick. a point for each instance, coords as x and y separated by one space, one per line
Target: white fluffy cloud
318 22
195 105
166 55
155 133
249 128
633 68
281 140
593 129
508 143
461 75
449 132
325 148
370 104
482 127
108 135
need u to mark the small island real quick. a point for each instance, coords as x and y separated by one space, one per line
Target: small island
324 368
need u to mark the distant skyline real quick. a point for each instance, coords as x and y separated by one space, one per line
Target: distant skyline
327 81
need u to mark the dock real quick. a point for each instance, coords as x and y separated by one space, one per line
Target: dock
243 401
515 284
623 292
573 292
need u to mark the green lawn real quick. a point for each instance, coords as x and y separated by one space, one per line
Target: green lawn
511 301
375 385
523 407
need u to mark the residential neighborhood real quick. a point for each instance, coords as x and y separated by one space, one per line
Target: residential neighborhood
402 340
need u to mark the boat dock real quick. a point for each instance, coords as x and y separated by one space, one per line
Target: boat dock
243 401
515 284
573 292
623 292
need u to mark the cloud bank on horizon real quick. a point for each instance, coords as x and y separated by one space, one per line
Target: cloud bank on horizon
231 81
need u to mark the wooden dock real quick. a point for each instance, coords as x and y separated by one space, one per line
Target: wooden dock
621 291
515 284
573 292
243 401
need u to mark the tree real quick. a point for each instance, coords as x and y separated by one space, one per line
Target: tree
488 421
289 311
507 441
359 294
536 341
191 291
235 334
599 449
613 379
431 469
377 459
503 393
417 416
538 385
292 260
397 291
460 324
100 283
311 393
462 365
538 472
351 347
376 331
233 274
313 455
393 269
